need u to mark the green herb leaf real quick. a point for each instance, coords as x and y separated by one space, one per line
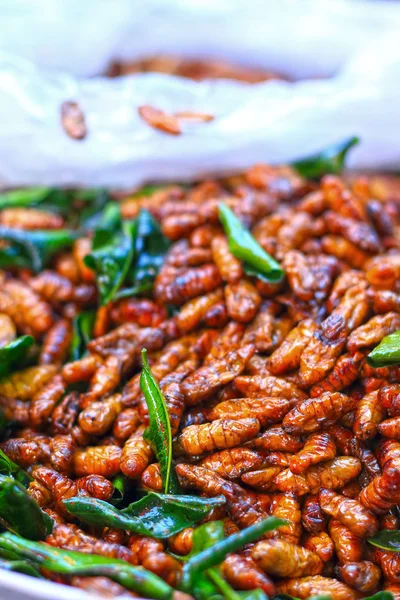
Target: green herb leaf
243 245
120 484
213 556
387 352
387 539
136 579
24 197
33 249
330 160
20 512
155 515
12 353
11 469
111 259
380 596
158 433
82 333
151 248
20 566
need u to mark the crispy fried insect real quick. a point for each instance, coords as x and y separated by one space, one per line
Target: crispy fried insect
348 512
389 398
315 413
30 219
262 479
40 493
182 255
287 506
62 453
343 374
267 410
30 314
269 385
218 435
96 486
56 288
181 543
287 356
8 331
242 301
141 311
312 517
98 417
232 463
382 493
383 271
228 339
81 248
175 401
333 474
24 384
348 546
80 370
243 574
304 587
56 343
389 563
60 486
65 414
390 428
164 565
177 285
372 332
151 477
363 576
283 559
125 424
97 460
26 452
99 586
359 233
44 401
15 410
297 229
230 268
136 455
105 379
385 301
193 311
310 277
240 503
207 379
321 544
336 245
276 438
318 448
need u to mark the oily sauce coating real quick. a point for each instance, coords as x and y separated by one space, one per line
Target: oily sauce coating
271 400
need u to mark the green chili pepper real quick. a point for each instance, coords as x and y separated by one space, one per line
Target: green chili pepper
155 515
66 562
243 245
330 160
20 512
387 352
24 197
158 433
20 566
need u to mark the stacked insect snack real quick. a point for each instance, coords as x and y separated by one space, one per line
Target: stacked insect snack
200 390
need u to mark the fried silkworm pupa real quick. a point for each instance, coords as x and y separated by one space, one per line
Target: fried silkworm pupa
319 447
242 301
26 452
287 506
262 479
243 574
372 332
125 424
44 401
151 478
56 343
182 542
283 559
304 587
267 410
321 544
312 517
316 413
136 455
348 546
277 439
97 460
362 576
369 413
349 512
24 384
218 435
287 356
98 417
232 463
62 453
96 486
258 386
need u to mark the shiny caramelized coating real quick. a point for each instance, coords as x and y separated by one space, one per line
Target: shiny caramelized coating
362 576
218 435
177 285
267 410
56 288
125 424
318 448
29 219
182 542
283 559
333 474
242 301
44 401
141 311
243 574
269 385
316 413
343 374
232 463
26 452
348 546
96 486
321 544
151 478
287 506
26 383
80 370
390 428
62 453
105 379
312 517
389 562
239 502
229 267
206 380
369 414
30 314
56 343
98 417
371 333
287 356
350 513
263 479
277 439
389 398
193 312
136 455
97 460
304 587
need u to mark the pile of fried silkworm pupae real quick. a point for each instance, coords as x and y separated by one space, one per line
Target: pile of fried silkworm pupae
271 401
